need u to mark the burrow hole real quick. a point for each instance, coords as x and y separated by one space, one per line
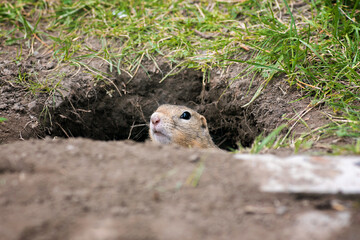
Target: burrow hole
104 114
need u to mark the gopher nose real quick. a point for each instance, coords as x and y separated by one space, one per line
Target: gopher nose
155 119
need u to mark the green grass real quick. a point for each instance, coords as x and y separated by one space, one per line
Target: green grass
2 119
317 48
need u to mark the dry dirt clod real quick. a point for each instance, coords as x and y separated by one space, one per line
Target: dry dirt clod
252 209
194 158
3 106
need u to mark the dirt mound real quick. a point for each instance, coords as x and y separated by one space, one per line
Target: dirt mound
105 116
83 189
42 98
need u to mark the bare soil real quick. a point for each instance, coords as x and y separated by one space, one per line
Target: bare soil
86 189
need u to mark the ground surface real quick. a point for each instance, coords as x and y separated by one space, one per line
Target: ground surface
84 189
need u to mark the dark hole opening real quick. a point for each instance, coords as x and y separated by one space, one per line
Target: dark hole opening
102 116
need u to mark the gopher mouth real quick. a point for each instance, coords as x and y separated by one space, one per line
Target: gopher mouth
159 134
161 137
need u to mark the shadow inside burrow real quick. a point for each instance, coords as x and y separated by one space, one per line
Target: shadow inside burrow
122 112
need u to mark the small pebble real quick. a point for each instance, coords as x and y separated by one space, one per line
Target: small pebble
6 72
17 107
50 65
3 106
31 105
194 158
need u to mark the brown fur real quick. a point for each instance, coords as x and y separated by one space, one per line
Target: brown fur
187 133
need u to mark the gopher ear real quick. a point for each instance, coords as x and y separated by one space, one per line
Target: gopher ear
203 122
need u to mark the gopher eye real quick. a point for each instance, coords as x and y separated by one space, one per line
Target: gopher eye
185 115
